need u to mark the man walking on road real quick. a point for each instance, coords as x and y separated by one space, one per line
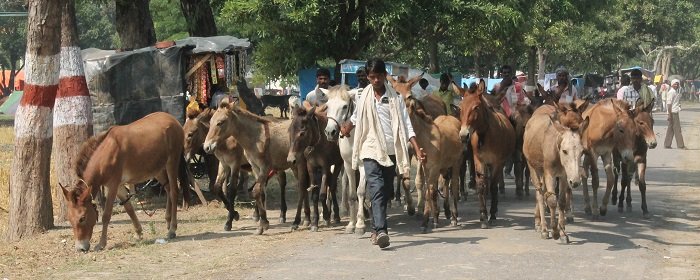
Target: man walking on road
383 132
673 105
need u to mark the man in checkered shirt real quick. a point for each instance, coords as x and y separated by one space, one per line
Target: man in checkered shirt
637 94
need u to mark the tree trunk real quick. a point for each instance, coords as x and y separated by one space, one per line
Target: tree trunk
30 193
199 17
434 62
667 64
531 66
72 122
477 65
134 24
541 63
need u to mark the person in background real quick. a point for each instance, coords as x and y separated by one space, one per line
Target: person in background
445 92
637 94
664 91
624 83
317 96
563 89
673 105
425 89
383 133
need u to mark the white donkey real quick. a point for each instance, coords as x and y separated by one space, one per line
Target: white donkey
341 104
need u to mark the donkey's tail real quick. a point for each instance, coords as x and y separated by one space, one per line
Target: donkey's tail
184 179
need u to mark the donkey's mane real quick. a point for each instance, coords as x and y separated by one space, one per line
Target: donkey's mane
245 113
340 91
86 151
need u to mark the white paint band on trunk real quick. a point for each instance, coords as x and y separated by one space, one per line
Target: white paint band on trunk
71 62
42 70
39 128
73 110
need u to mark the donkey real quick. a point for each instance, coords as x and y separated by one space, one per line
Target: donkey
519 118
645 140
126 155
309 141
492 140
340 107
230 160
443 147
611 128
553 148
264 142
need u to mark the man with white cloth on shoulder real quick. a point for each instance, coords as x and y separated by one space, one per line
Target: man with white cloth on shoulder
317 96
383 133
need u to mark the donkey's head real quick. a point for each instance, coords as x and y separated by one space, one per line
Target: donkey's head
305 131
645 124
82 213
570 147
196 128
402 86
472 107
339 109
220 125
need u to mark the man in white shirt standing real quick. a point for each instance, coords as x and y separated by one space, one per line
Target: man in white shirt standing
673 105
383 133
564 90
317 96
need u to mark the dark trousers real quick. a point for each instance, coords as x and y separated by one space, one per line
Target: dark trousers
380 187
674 129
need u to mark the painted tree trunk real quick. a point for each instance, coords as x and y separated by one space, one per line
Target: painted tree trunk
134 24
199 17
30 193
72 119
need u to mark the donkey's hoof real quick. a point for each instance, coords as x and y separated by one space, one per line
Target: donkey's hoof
484 225
349 230
227 227
411 211
235 215
359 231
570 219
424 229
306 223
313 229
436 225
492 221
283 220
628 208
564 240
613 200
336 220
295 227
259 231
619 209
603 211
171 235
544 235
453 223
646 215
327 223
588 211
556 235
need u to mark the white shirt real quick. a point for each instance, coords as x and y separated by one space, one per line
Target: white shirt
384 115
317 96
565 96
673 99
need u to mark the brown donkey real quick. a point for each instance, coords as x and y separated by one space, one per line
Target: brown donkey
645 140
126 155
611 128
552 146
443 148
230 162
265 143
492 140
309 142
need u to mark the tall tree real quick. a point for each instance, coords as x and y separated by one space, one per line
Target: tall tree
199 16
72 120
13 43
290 35
30 193
134 24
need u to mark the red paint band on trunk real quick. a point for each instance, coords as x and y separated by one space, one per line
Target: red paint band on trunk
43 96
72 86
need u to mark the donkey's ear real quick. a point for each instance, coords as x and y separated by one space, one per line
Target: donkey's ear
481 88
323 108
584 125
415 79
457 89
581 107
306 105
311 112
66 193
391 79
86 194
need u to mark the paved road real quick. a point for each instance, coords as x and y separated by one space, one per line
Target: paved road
622 245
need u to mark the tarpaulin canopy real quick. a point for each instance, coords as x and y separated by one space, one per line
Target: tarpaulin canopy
9 107
217 44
